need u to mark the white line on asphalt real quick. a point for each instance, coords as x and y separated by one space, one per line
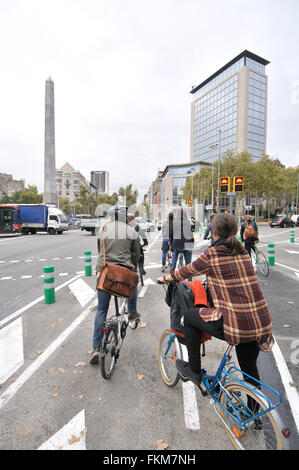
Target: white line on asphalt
34 302
11 349
274 234
14 261
152 244
26 277
63 274
70 437
290 388
143 291
22 379
287 267
81 291
190 403
5 278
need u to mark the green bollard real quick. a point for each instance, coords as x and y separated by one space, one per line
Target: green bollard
292 239
49 289
271 254
88 266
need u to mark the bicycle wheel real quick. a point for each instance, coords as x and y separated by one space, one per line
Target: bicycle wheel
167 366
262 263
262 433
108 361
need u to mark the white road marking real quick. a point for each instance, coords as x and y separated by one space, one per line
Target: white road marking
11 349
5 278
190 403
22 379
291 391
63 274
26 277
70 437
287 267
143 291
82 291
31 304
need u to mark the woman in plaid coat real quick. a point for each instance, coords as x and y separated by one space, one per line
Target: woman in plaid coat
239 314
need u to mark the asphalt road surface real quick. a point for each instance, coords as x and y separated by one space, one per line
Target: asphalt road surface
51 398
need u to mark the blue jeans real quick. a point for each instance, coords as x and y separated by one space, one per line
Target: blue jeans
164 250
100 318
187 256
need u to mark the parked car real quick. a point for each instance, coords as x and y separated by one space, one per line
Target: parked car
295 218
281 222
145 225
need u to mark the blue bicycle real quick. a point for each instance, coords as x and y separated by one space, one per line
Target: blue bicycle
248 412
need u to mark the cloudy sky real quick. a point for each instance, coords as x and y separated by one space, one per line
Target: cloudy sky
123 71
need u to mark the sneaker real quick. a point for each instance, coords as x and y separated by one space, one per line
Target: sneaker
163 268
133 316
187 373
95 356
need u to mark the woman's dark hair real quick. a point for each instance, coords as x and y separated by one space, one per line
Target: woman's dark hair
226 227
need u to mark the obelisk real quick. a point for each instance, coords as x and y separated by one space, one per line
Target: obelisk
50 193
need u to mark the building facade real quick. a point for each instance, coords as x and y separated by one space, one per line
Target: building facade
100 179
173 181
9 186
69 182
229 110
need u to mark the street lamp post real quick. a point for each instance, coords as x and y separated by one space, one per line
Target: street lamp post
213 146
218 192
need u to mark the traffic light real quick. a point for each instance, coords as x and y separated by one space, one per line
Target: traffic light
225 184
238 184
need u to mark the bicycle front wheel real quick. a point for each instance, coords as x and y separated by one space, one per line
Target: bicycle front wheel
262 433
262 263
167 360
108 361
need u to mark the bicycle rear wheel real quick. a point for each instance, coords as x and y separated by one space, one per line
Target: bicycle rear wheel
108 361
262 433
262 263
167 361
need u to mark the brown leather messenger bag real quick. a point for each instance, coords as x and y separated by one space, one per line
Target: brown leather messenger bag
117 280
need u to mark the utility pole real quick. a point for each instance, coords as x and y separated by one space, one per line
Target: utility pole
218 201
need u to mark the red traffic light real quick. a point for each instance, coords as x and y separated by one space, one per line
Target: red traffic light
224 184
238 183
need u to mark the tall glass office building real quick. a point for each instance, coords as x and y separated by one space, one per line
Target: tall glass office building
229 110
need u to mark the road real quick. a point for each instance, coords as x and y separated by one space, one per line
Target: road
52 398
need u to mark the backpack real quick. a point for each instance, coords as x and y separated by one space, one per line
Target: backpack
249 232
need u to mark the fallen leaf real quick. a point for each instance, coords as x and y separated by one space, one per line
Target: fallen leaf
55 395
292 384
140 376
81 396
59 447
292 303
142 324
53 325
287 326
25 431
62 371
73 439
39 353
81 363
160 445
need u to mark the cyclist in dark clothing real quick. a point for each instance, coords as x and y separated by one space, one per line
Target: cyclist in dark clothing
249 233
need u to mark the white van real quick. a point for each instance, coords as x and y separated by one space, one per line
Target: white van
57 221
295 218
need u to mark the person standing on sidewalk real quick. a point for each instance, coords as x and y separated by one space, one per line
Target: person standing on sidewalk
167 236
122 247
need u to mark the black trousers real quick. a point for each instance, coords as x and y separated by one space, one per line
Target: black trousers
247 353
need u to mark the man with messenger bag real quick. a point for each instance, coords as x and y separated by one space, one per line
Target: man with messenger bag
118 257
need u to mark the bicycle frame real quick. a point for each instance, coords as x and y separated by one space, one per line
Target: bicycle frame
221 377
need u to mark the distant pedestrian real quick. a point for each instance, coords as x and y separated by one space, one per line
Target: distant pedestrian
167 237
209 230
249 233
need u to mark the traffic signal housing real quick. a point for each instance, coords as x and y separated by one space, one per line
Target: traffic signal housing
238 184
225 184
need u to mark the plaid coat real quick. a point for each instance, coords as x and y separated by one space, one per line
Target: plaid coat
236 295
